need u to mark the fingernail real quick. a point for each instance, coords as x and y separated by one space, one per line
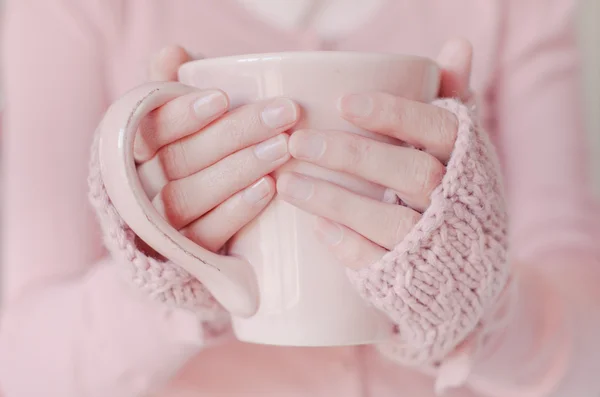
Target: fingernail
272 149
331 233
307 145
209 104
295 186
257 192
279 113
357 105
453 51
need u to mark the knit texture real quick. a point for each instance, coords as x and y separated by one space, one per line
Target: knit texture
162 280
440 281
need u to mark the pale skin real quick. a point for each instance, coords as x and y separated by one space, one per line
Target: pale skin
186 147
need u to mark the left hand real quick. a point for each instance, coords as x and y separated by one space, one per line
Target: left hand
361 230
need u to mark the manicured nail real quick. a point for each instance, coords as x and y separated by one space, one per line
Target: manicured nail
209 104
308 145
295 186
356 105
331 233
279 113
257 192
272 149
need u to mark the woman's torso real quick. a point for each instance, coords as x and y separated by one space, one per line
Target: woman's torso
218 28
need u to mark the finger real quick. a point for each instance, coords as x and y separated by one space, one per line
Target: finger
165 64
349 247
422 125
384 224
239 129
152 178
455 61
176 119
215 228
413 174
185 200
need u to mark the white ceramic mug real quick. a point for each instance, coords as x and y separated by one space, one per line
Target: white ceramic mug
280 283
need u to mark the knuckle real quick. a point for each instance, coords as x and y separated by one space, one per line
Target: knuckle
403 220
176 114
236 133
397 109
176 204
396 112
238 125
427 171
357 153
173 160
244 164
165 124
147 129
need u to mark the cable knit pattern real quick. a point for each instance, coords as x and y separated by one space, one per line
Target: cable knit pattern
162 280
438 283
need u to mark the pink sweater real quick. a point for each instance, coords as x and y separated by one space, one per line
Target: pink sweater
72 326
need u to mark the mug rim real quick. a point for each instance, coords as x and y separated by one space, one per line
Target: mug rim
311 56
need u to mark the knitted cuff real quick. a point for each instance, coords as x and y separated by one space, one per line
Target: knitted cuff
438 283
162 280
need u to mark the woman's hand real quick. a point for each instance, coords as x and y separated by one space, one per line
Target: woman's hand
205 167
361 230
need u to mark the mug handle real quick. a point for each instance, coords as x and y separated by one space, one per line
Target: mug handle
230 280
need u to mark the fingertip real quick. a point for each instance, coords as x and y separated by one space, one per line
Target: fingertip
208 105
282 180
293 138
293 187
260 192
140 149
456 49
272 188
455 60
165 64
270 181
356 106
294 105
298 111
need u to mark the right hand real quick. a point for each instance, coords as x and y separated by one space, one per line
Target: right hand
205 168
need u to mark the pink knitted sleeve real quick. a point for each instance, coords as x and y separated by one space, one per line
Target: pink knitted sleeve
469 316
162 280
438 283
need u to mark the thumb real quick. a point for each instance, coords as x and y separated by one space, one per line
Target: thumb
455 60
165 65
